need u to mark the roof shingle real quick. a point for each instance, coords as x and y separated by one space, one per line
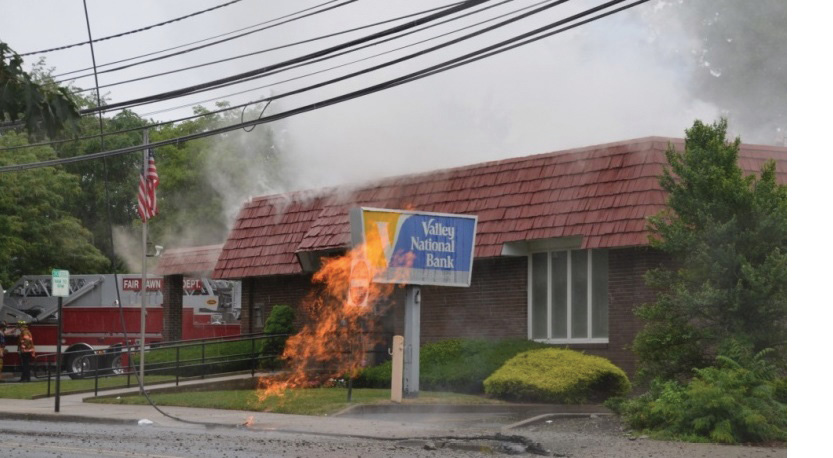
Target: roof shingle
602 193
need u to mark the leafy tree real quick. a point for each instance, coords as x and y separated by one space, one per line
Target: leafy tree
41 105
204 181
118 186
201 180
37 230
728 233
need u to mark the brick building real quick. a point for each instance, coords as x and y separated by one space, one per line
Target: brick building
560 252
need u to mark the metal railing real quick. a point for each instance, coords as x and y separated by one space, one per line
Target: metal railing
167 362
177 360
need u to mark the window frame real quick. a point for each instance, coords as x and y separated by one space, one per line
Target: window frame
569 339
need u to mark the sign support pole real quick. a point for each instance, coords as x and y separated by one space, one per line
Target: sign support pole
412 310
144 276
58 360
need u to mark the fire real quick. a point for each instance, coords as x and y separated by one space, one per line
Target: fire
339 322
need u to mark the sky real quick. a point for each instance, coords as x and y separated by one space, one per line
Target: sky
627 76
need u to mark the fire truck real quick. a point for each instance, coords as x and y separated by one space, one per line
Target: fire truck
94 323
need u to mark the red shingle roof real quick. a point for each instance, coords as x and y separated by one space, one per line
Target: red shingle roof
190 260
602 193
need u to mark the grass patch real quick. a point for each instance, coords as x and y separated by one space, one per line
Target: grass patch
38 388
221 355
315 401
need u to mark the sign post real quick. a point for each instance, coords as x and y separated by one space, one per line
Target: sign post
60 289
412 309
415 248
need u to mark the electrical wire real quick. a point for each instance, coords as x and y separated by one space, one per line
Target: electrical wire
189 43
14 124
270 99
240 76
101 142
243 105
275 48
224 40
416 54
439 68
130 32
326 57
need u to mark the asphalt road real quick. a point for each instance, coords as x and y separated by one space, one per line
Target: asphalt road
601 436
48 439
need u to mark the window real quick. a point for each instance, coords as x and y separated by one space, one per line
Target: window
568 296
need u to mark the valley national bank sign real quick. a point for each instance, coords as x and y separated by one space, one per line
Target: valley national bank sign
416 248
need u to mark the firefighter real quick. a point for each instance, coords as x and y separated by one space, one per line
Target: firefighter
26 350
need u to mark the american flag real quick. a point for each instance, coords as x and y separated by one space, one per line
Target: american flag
147 191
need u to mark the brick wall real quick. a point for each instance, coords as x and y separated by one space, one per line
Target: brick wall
494 307
626 291
172 308
260 294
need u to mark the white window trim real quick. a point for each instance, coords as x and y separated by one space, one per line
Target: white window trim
569 339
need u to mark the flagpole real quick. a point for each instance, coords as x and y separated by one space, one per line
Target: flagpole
144 273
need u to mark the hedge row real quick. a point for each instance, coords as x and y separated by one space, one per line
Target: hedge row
519 370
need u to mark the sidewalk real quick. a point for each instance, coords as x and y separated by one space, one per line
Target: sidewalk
75 410
354 423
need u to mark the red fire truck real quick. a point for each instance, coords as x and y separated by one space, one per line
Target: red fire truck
92 319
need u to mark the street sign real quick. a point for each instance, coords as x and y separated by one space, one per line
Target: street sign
60 283
416 248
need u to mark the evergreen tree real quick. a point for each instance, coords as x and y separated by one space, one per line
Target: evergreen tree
728 235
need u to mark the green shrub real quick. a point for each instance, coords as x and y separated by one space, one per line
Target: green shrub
730 403
557 375
281 322
458 365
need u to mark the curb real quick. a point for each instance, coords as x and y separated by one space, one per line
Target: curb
531 409
60 418
540 418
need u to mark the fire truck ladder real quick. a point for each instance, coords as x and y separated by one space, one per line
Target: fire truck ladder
77 289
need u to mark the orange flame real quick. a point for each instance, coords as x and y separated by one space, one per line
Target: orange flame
339 323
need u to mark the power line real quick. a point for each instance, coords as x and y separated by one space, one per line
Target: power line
13 124
269 99
129 32
240 76
101 145
224 40
482 53
410 56
308 62
275 48
187 44
357 60
389 63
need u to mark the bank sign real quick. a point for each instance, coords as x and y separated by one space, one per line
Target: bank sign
417 248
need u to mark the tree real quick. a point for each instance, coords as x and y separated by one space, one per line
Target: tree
42 106
37 230
728 234
203 182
